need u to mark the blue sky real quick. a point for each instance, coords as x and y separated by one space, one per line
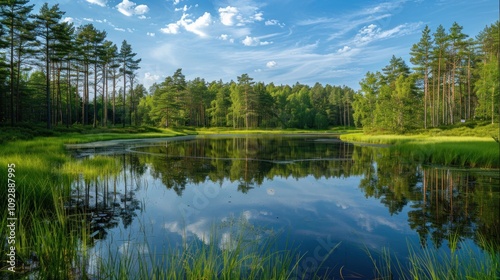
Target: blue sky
282 41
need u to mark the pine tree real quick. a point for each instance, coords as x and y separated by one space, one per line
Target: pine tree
47 21
14 16
421 58
128 66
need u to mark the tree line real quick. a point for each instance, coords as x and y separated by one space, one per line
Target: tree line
244 104
59 74
454 79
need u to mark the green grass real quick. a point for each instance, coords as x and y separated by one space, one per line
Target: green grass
460 262
226 130
457 150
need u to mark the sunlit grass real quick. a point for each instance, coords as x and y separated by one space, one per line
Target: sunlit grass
464 151
226 130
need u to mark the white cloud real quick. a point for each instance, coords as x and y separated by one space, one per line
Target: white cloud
129 8
197 26
240 15
258 16
172 28
344 49
68 19
151 77
184 9
141 9
250 41
274 22
89 19
120 29
101 3
228 15
151 34
254 41
225 37
271 64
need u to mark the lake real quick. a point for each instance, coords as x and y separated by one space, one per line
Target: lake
334 205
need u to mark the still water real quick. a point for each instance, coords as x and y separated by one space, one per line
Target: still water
333 203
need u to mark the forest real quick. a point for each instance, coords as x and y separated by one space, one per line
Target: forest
60 75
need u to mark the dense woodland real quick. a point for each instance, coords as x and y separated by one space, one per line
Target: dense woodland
58 74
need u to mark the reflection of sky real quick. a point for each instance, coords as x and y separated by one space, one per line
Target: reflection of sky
309 212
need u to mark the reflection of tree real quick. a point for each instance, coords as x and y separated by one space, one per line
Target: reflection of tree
444 204
99 201
391 180
247 160
244 187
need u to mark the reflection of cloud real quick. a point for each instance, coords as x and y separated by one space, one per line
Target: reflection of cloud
270 191
369 222
128 248
200 229
203 230
342 205
226 242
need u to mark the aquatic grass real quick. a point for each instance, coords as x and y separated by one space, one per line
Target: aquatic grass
215 256
461 261
91 168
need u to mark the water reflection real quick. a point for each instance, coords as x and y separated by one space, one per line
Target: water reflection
307 187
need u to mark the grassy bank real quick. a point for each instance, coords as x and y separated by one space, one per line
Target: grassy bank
462 146
226 130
